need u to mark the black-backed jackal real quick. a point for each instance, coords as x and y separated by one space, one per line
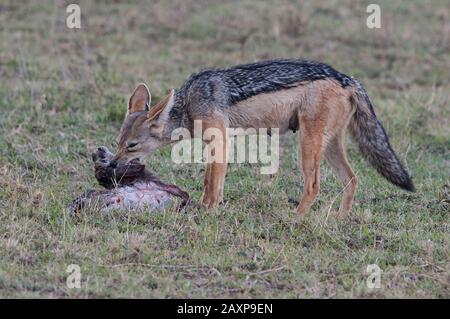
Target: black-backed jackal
307 96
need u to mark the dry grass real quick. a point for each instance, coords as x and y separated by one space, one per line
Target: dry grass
63 92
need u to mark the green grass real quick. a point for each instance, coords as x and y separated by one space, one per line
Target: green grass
63 93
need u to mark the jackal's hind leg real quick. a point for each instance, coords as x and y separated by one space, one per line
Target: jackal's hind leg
337 158
311 145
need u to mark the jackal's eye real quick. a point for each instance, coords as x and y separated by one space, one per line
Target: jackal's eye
131 146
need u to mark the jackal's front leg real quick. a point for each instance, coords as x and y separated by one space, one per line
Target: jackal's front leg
214 183
215 135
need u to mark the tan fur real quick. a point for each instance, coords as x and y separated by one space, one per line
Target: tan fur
324 110
140 99
159 107
337 159
140 123
322 125
215 172
321 111
268 110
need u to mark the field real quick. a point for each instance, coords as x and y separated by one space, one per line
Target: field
63 92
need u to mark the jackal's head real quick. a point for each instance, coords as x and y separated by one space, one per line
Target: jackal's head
142 130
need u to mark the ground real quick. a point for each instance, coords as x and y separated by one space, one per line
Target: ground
63 92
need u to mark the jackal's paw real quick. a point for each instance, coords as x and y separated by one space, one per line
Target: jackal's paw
300 218
301 211
209 201
204 200
342 213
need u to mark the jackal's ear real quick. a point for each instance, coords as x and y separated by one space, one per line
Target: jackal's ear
140 99
159 114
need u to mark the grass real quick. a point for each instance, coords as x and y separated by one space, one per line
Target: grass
64 92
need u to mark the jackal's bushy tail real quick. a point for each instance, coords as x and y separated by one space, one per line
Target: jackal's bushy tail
373 141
